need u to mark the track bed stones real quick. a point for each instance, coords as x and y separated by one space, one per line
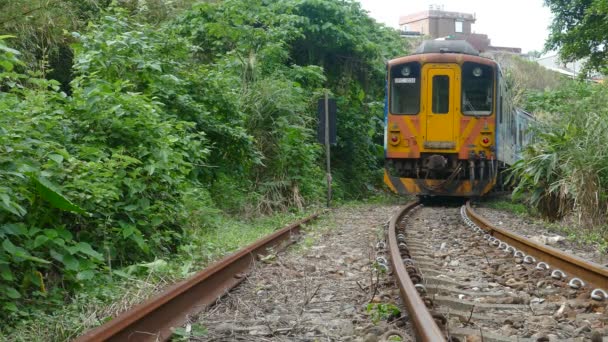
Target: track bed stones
486 294
329 287
540 232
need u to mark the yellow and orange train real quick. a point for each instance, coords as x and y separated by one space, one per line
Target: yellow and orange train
451 127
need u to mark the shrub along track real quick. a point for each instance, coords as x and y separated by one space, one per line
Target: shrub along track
477 282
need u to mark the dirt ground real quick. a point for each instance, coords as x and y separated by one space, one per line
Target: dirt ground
539 231
326 288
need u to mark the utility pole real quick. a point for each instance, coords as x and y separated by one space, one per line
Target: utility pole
327 148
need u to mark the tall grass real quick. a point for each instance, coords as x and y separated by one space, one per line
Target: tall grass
525 75
565 170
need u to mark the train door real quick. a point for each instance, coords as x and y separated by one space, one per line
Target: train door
440 107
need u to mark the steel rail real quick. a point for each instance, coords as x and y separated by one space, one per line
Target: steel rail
154 319
426 328
590 272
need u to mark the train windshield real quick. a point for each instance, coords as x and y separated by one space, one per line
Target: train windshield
477 89
405 88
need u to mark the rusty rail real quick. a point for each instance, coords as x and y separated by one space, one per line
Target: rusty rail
426 328
154 319
590 272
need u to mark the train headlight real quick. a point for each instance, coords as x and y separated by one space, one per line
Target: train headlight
485 141
394 139
406 71
477 72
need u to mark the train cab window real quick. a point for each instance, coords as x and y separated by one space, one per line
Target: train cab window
477 89
500 113
405 88
441 94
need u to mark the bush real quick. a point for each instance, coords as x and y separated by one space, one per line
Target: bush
564 169
167 125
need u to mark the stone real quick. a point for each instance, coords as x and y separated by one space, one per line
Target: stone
560 311
506 300
540 337
370 338
225 327
507 330
596 336
548 322
511 282
259 330
547 240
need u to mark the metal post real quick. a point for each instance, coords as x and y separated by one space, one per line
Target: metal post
327 148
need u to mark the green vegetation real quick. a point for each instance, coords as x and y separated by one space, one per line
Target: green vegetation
524 76
579 31
563 174
596 237
160 123
104 297
514 207
564 171
382 311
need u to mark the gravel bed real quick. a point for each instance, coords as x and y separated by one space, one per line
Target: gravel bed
540 231
487 294
318 290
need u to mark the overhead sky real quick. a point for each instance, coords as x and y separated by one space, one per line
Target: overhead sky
514 23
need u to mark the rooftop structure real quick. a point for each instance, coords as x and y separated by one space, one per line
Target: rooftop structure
439 24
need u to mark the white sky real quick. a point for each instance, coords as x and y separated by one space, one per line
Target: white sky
514 23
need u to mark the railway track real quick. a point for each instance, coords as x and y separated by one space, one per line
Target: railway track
460 279
463 279
155 319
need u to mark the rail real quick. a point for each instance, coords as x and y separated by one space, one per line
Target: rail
426 328
154 319
571 265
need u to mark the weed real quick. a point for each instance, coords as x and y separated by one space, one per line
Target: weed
382 311
514 207
188 332
597 236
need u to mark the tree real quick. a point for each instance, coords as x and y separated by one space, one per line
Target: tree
580 30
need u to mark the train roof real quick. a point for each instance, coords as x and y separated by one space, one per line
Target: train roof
446 46
444 51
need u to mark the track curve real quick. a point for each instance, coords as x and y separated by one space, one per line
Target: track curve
426 328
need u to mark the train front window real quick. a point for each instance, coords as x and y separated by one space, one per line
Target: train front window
441 94
477 89
405 88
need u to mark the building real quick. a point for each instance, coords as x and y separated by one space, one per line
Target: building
573 69
553 62
439 24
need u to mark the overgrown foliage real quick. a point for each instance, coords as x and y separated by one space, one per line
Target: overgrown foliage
579 30
564 170
166 125
524 76
40 27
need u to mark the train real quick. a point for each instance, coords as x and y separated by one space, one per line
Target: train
451 127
